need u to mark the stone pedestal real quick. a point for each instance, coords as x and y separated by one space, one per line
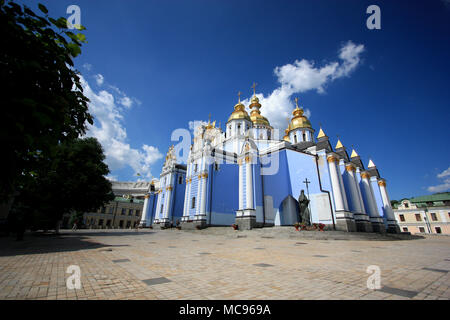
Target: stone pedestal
246 219
165 223
362 222
393 228
345 221
378 225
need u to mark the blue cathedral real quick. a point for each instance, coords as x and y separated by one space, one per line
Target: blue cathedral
250 176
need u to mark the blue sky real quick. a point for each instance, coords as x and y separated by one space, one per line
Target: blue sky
151 67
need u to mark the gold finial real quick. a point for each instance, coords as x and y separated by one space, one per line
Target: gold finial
209 118
296 101
239 96
254 88
321 133
354 154
339 145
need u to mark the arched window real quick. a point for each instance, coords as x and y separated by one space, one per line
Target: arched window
295 138
180 180
304 136
162 207
239 129
193 203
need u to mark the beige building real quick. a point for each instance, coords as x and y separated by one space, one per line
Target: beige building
122 213
425 214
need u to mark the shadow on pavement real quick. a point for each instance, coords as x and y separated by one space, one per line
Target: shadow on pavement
66 241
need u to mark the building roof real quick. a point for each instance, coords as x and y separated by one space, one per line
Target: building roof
444 196
122 199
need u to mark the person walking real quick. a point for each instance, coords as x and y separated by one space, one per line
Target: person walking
74 228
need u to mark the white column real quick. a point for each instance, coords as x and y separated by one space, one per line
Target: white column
241 185
158 205
249 183
203 196
168 196
356 205
361 201
341 182
337 192
369 194
386 202
144 219
186 193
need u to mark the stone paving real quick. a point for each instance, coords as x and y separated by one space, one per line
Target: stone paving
220 263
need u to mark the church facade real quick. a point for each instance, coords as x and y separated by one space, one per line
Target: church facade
247 175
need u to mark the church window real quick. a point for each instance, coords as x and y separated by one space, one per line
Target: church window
123 212
406 205
304 136
193 203
216 166
180 180
162 207
195 167
402 217
295 138
239 129
137 212
130 212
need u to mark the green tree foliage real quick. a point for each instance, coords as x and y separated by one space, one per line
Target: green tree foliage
42 98
72 181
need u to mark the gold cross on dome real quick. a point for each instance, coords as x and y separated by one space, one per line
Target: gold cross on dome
254 88
239 96
209 118
296 101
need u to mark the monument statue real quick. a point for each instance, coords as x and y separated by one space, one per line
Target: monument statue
303 203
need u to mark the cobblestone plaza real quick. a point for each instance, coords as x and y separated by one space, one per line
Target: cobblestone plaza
220 263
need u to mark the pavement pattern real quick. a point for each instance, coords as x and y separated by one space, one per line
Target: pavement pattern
221 263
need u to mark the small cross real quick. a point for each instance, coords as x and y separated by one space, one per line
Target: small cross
254 88
296 101
239 96
209 118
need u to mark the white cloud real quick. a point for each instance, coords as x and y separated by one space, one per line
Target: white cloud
440 187
111 178
126 102
99 79
87 66
111 133
445 186
302 76
444 173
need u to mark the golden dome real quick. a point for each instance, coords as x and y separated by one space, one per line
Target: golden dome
239 113
299 120
339 145
255 115
354 154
